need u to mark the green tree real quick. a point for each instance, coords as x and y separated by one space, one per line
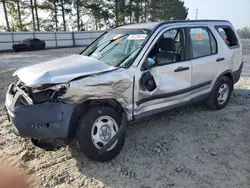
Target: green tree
129 10
168 10
65 6
55 9
19 14
77 6
51 22
244 32
80 10
117 11
25 14
33 15
98 10
6 15
37 17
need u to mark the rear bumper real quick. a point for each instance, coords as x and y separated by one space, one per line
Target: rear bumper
44 121
236 74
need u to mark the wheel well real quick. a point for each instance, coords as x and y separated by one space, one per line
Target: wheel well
229 75
105 102
83 107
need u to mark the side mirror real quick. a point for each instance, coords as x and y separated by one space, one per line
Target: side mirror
148 82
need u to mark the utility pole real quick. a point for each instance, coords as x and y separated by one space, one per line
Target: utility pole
197 14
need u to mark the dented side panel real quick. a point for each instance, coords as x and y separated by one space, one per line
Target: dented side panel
167 93
116 85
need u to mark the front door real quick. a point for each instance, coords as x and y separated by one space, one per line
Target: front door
168 69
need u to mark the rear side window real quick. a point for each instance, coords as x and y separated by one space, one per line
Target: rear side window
203 42
228 36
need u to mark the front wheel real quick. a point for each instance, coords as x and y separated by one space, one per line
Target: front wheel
221 93
97 127
16 50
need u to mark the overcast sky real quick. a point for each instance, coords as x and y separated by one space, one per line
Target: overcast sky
236 11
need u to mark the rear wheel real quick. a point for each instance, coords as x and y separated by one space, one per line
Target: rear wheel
97 127
43 46
221 93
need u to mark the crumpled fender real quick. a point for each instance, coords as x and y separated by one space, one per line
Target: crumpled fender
117 85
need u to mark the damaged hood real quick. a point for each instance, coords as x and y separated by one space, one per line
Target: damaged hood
61 70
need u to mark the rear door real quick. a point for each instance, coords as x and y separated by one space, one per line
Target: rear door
205 59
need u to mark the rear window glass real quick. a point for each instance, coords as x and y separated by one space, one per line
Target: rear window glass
228 36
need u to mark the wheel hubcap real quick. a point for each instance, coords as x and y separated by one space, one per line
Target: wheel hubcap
103 130
223 94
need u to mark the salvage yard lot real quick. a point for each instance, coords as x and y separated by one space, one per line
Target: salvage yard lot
189 147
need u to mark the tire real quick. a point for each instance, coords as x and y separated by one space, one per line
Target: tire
16 50
31 48
217 100
87 128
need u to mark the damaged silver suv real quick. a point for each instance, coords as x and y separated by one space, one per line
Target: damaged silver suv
128 73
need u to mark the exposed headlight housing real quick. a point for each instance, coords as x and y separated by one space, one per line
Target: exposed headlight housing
49 92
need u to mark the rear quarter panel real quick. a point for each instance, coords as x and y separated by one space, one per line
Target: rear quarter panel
233 55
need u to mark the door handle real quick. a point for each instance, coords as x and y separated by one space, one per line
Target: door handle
179 69
220 59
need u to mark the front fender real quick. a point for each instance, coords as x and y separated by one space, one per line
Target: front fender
113 85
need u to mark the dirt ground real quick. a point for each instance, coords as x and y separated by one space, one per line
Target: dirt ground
192 147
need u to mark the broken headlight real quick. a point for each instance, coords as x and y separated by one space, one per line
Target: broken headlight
49 92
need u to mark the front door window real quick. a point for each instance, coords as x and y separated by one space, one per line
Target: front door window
168 49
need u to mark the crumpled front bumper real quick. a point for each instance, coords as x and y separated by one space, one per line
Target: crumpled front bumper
42 121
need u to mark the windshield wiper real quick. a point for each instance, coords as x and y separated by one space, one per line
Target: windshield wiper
105 53
111 41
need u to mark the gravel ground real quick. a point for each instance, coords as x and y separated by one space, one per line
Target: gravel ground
191 147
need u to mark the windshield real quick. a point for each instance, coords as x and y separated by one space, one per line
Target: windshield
117 46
